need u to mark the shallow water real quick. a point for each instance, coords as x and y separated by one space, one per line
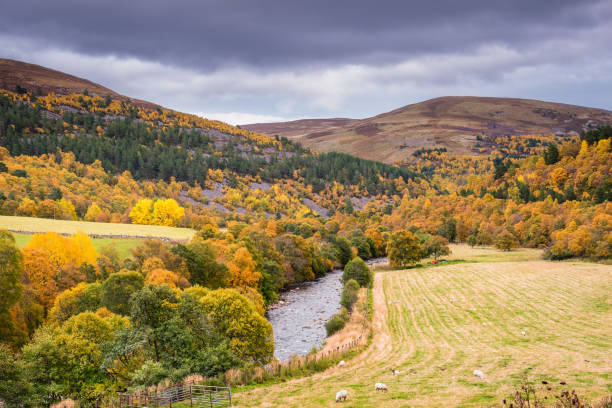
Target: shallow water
299 317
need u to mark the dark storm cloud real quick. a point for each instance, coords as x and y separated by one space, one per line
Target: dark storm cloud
207 35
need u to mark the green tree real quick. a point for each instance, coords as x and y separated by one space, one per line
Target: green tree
83 297
349 294
15 388
10 287
117 290
436 246
343 250
551 154
403 249
201 264
249 334
358 270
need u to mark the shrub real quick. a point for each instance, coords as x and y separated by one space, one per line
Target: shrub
358 270
349 294
337 322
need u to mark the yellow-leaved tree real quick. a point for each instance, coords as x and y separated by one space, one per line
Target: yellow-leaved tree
142 212
243 269
161 212
52 262
167 212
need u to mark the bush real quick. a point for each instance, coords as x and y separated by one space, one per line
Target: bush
358 270
337 322
349 294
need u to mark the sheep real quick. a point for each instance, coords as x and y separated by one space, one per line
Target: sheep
523 333
341 395
479 374
380 387
394 372
341 363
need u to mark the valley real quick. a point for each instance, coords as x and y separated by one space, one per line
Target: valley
142 247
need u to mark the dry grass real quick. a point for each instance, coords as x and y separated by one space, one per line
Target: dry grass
491 254
352 329
437 325
32 225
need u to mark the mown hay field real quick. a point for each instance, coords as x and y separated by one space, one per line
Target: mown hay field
33 225
439 324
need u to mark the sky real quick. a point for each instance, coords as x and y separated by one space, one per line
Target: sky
272 60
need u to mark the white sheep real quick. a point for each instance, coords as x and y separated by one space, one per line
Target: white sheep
523 333
479 374
394 372
341 363
380 387
341 395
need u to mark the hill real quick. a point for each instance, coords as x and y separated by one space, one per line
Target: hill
43 81
461 124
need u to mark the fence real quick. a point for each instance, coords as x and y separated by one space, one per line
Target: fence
196 395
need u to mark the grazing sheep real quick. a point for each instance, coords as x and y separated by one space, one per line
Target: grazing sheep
479 374
341 395
523 333
380 387
394 372
341 363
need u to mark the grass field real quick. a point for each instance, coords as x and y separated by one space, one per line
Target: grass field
123 245
29 224
439 324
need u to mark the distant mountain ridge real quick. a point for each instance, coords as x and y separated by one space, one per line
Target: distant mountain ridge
452 122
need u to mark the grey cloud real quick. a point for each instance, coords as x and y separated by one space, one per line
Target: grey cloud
206 35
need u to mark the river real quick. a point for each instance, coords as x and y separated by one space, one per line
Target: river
299 317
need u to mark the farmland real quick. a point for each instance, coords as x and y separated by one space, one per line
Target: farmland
437 325
33 225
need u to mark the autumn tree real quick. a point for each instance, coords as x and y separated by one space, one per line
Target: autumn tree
506 241
403 249
81 298
53 263
166 212
161 212
242 269
163 277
